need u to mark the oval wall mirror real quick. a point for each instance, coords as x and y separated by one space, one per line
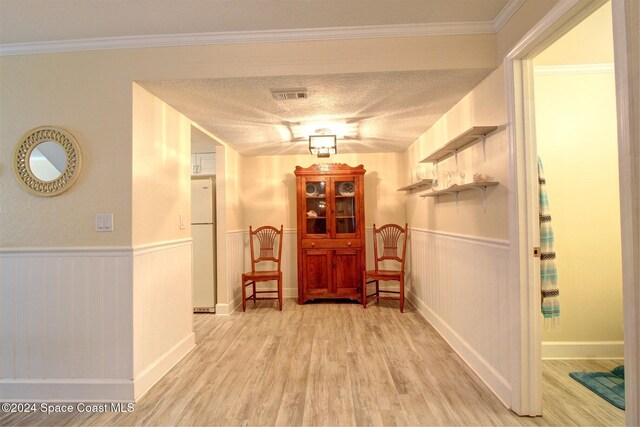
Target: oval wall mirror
47 161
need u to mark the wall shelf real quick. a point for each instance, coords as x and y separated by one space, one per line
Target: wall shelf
459 188
423 183
456 189
459 143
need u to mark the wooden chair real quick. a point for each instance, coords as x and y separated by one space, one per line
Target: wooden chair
389 235
267 239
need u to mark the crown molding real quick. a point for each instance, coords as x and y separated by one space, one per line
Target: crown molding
506 13
558 70
234 37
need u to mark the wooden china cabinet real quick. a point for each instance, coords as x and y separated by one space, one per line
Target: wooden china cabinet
331 240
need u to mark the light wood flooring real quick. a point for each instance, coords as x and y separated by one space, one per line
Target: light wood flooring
334 364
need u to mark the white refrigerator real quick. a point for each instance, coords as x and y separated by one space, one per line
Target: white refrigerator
203 232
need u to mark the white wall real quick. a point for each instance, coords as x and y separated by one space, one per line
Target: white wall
162 319
458 263
161 175
483 106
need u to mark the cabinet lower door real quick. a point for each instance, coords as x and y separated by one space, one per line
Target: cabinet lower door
348 274
317 270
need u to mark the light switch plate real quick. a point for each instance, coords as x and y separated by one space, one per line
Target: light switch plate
104 222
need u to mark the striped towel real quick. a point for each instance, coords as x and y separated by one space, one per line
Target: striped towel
548 272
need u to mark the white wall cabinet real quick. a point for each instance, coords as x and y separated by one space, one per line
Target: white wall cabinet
203 164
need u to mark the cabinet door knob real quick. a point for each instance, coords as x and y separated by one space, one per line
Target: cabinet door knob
349 244
313 244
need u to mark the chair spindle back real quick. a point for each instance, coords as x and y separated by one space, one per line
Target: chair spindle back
389 235
268 237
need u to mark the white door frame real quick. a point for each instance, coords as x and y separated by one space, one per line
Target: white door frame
526 356
626 40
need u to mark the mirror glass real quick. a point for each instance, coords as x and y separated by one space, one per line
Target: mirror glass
48 161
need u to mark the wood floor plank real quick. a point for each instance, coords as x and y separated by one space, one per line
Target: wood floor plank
333 364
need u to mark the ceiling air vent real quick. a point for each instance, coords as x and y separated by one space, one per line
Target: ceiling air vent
284 94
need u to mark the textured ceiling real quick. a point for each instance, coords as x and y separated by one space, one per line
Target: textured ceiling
387 110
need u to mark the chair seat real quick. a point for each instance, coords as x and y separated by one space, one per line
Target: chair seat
382 274
261 275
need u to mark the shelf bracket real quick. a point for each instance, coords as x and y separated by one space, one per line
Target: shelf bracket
455 153
484 148
483 190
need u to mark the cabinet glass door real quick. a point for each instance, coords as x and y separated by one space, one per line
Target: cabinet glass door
316 207
345 207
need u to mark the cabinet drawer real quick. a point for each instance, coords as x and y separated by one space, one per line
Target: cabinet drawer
331 244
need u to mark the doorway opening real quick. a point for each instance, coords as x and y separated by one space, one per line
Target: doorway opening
204 222
574 124
524 212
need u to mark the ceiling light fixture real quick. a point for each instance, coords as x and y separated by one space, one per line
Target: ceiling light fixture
323 145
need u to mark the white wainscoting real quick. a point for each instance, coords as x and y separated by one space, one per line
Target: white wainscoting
92 324
459 284
162 310
66 324
235 267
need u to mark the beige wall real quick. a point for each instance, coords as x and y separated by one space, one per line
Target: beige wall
161 157
483 106
90 94
590 42
233 185
83 94
576 120
269 187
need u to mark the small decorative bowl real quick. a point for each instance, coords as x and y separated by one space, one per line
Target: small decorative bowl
480 177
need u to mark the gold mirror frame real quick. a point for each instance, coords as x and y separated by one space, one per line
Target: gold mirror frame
22 170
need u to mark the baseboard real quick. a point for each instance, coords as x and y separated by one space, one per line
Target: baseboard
66 390
290 293
153 373
223 309
487 374
582 350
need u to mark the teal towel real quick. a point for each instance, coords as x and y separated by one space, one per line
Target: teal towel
548 272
